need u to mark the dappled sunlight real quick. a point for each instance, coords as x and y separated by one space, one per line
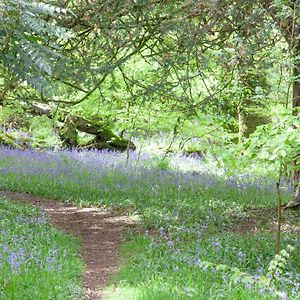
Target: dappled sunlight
121 293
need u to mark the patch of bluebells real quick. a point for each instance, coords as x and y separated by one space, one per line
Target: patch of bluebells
25 245
26 260
106 176
184 248
36 220
176 197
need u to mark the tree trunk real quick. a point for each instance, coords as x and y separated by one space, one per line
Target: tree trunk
290 28
241 123
251 111
296 106
69 134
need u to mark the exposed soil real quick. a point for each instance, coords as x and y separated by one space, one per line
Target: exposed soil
100 230
265 219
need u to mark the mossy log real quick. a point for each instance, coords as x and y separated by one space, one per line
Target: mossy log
9 141
69 134
104 137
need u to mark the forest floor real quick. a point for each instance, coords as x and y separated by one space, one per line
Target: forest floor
101 232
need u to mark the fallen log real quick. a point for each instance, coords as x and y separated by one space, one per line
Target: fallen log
104 138
9 141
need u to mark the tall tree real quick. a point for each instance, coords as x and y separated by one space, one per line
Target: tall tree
286 15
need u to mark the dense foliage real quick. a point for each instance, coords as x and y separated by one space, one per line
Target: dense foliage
30 44
207 93
200 70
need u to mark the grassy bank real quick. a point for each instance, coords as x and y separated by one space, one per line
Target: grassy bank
36 260
225 266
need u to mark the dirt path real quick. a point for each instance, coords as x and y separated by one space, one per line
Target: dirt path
101 232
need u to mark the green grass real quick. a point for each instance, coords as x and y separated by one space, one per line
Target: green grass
36 260
197 248
159 196
160 271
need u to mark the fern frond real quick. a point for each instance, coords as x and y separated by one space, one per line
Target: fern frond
30 43
42 27
40 8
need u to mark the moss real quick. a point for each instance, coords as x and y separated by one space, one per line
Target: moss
9 141
69 134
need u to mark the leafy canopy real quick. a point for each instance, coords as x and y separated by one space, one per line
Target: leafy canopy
31 40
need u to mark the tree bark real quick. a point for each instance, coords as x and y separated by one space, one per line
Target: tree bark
69 134
296 106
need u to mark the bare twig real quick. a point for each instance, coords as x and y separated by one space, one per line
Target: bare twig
279 212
